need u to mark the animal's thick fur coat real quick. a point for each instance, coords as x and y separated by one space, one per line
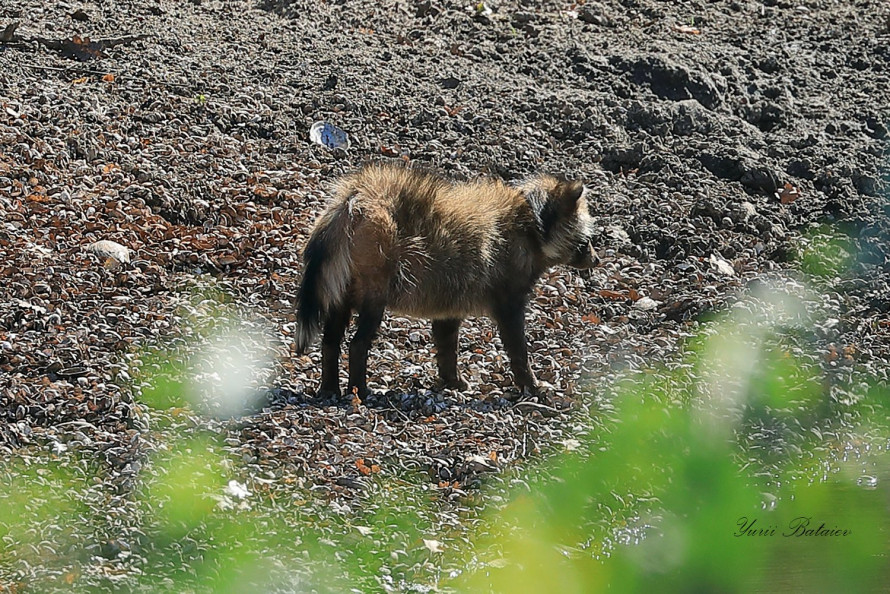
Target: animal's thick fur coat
421 245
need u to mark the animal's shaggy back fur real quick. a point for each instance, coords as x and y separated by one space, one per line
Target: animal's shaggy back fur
432 248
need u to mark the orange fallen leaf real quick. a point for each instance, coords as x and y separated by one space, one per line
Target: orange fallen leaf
262 191
591 319
80 80
609 294
788 194
108 78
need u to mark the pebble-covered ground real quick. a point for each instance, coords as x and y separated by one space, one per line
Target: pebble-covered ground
720 140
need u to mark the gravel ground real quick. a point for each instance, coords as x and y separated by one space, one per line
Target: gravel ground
717 138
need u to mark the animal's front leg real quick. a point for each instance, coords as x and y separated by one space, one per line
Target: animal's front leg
445 338
510 319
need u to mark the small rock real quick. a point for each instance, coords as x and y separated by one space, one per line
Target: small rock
594 14
483 13
434 546
450 82
523 18
740 213
617 235
721 265
761 179
236 489
106 249
111 549
646 303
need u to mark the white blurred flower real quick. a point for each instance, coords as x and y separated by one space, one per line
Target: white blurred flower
229 369
237 490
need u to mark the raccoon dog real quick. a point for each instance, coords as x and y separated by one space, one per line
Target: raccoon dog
420 245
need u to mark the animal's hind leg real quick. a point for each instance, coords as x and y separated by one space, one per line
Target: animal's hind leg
445 337
370 314
334 329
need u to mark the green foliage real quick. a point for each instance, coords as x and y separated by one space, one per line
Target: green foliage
36 508
825 253
723 474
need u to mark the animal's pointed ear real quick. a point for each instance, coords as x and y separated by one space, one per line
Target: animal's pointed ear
573 190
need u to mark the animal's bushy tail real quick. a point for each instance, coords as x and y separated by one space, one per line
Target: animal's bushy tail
327 269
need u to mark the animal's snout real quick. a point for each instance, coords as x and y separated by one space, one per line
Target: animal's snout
585 256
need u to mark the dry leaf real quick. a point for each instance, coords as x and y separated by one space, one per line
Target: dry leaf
591 319
615 295
80 80
788 194
82 48
263 191
108 78
688 29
